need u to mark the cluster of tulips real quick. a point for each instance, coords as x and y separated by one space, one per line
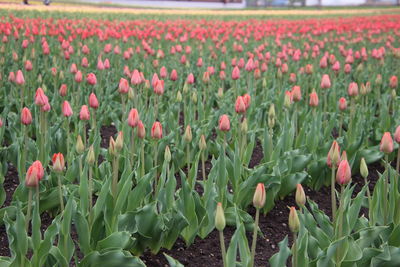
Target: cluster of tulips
188 103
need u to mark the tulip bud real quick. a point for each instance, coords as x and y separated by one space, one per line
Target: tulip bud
259 196
224 123
220 92
90 159
119 142
194 97
288 99
131 94
179 97
167 154
343 175
300 196
185 88
294 222
342 104
156 130
363 168
188 134
84 114
133 118
271 116
220 218
79 146
397 134
26 116
202 143
240 106
93 102
393 94
34 174
111 147
378 80
314 99
386 145
141 131
58 162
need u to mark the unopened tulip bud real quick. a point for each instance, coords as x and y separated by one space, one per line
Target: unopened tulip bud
378 80
194 97
131 94
220 218
119 142
342 104
386 145
202 143
34 174
80 147
394 94
397 134
141 131
58 162
167 154
300 196
363 90
179 97
363 168
185 88
156 130
294 222
259 196
224 123
288 99
111 147
26 116
343 175
220 92
90 159
188 134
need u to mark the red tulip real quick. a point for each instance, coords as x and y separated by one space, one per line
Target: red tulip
159 87
224 123
343 175
78 76
40 98
386 145
314 99
26 116
28 65
93 102
84 114
66 109
353 89
156 130
141 131
247 100
133 118
325 82
19 79
135 79
240 106
190 79
397 134
235 73
91 79
63 90
259 196
123 87
58 162
393 82
34 174
342 104
296 93
174 75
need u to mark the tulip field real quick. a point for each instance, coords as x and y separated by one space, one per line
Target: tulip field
205 141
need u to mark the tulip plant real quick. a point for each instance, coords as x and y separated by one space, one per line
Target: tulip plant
164 129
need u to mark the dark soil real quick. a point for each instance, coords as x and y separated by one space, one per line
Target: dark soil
11 183
106 132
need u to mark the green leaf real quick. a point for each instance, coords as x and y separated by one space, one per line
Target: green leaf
279 259
172 262
117 240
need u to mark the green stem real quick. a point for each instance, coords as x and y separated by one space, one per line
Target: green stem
90 194
28 213
371 220
340 226
396 180
203 166
115 177
132 147
188 161
66 122
294 250
340 124
333 194
254 241
23 157
142 159
60 194
385 217
223 249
